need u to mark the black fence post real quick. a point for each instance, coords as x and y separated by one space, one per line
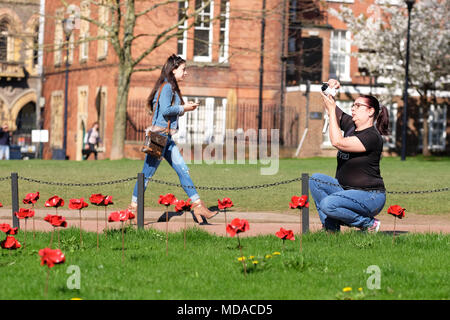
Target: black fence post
305 211
15 198
140 200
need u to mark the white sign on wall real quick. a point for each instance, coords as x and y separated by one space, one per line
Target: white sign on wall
39 135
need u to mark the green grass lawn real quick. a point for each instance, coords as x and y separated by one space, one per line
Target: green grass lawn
415 267
411 175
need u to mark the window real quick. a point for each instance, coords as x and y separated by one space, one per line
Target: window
224 30
4 28
340 55
203 32
56 121
35 51
204 125
102 45
59 37
182 29
344 105
437 127
84 32
293 45
392 137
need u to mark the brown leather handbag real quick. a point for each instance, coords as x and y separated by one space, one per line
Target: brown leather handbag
155 142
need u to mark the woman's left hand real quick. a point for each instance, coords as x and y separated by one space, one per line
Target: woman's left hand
329 102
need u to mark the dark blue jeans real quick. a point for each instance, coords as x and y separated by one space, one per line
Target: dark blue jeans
336 206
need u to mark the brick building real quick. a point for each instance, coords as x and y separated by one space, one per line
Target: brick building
20 82
302 44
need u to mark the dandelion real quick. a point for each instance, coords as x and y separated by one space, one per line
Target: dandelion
268 256
255 262
360 289
251 257
241 258
276 253
346 289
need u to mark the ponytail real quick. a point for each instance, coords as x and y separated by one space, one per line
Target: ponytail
382 123
381 114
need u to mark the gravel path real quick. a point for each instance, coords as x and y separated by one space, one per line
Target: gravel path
260 222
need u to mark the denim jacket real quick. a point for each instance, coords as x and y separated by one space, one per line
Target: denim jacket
165 110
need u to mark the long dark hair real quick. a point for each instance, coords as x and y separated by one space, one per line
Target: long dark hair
172 63
381 115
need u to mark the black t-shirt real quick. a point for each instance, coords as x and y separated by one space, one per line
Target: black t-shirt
360 170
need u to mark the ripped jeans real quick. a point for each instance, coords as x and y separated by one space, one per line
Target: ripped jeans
175 159
336 206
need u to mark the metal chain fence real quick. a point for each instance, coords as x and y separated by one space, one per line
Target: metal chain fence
172 184
140 182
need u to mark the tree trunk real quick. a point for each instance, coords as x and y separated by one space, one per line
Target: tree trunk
120 117
426 130
425 107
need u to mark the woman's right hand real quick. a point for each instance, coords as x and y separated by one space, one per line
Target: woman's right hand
190 106
333 83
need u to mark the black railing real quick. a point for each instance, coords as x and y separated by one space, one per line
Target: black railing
241 117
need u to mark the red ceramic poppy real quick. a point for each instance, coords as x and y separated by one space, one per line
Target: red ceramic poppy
50 257
299 202
237 226
77 204
108 201
396 211
285 234
182 205
96 199
24 213
6 228
121 216
225 203
31 198
55 201
10 243
56 221
1 204
167 200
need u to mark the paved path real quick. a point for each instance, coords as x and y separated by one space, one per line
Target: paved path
260 222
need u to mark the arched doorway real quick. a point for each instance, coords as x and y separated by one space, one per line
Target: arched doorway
25 123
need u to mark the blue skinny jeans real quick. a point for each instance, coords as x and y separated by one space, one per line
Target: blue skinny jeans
175 159
336 206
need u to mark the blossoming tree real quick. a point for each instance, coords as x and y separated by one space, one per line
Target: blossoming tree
380 36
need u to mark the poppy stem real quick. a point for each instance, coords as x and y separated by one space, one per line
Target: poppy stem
242 256
106 224
25 240
81 240
58 240
185 215
226 223
46 282
123 243
167 231
284 240
393 237
32 208
97 226
51 237
301 230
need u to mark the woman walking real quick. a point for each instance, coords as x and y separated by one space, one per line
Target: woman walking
169 107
